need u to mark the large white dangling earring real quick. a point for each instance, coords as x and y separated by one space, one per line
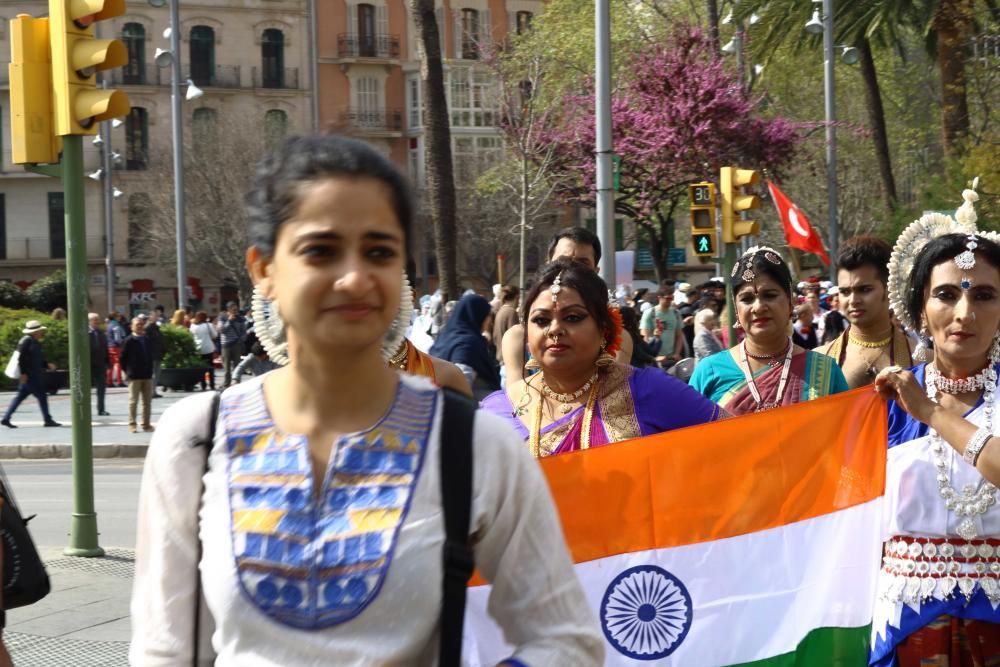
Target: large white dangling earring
995 350
920 351
396 335
269 327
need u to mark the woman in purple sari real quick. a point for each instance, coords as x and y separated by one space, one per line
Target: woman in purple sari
581 397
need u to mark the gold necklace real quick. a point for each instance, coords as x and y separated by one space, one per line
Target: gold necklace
869 344
398 360
535 439
566 400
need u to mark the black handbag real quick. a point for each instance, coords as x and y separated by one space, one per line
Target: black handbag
24 578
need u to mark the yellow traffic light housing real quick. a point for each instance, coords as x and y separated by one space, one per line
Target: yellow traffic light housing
735 201
702 197
76 56
32 139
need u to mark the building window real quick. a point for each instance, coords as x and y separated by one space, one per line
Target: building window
414 105
137 139
470 34
57 226
139 224
523 22
272 47
369 103
473 98
134 37
474 155
275 127
3 227
366 31
204 124
202 55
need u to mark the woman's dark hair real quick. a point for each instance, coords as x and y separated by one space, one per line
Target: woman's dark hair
592 290
200 317
865 251
630 321
763 261
275 193
508 293
938 251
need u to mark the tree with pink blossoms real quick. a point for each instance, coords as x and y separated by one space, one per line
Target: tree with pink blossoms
677 119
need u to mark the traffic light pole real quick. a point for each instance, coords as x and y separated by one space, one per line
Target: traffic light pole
83 529
728 261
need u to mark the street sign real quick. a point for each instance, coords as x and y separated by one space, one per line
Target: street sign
676 255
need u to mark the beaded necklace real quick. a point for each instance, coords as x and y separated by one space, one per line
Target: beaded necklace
535 439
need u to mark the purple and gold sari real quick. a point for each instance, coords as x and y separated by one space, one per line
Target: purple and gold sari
631 403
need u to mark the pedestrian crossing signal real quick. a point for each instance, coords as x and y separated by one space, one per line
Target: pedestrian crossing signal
704 243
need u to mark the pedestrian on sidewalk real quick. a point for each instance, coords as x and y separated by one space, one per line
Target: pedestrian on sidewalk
137 362
232 334
329 547
98 360
159 348
116 334
32 382
205 336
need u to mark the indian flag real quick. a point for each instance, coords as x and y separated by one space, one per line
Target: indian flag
751 541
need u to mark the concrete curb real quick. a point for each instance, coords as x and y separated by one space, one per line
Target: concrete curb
62 450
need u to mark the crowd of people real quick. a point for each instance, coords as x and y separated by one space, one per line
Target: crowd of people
316 498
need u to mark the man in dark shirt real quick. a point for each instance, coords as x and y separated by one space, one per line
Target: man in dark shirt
232 335
158 346
137 363
99 359
32 363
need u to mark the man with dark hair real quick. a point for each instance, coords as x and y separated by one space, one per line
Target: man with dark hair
663 327
576 243
232 335
137 363
871 341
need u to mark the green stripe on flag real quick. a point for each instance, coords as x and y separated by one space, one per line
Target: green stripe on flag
824 647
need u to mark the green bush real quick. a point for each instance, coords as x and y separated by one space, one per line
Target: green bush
180 350
55 345
48 293
12 296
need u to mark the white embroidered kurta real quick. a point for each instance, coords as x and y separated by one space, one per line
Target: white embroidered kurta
519 547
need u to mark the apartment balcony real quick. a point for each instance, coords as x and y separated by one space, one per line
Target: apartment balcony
385 47
220 76
286 78
138 75
40 248
373 120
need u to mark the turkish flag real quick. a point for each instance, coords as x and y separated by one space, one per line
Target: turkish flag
798 232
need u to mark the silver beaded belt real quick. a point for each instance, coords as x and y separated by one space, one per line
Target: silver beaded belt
915 569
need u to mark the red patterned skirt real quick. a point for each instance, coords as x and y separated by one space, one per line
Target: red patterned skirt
951 642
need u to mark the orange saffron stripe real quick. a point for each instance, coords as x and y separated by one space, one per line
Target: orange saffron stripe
723 479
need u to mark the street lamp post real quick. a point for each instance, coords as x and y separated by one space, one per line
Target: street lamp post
109 229
178 139
605 191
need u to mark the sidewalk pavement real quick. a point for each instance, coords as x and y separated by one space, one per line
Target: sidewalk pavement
84 621
111 438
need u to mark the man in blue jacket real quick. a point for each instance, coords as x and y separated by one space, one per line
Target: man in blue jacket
32 363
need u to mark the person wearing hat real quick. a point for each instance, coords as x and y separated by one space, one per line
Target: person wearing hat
32 363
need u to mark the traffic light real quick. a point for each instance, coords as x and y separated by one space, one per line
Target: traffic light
734 201
76 56
32 139
702 197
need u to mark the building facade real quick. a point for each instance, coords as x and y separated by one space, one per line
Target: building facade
250 60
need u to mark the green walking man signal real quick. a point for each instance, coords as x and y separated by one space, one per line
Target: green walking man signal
703 238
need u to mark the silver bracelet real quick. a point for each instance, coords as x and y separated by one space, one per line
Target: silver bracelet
975 446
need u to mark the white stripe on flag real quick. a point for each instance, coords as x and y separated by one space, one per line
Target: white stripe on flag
754 596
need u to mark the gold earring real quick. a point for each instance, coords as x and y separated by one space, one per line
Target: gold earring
604 359
532 364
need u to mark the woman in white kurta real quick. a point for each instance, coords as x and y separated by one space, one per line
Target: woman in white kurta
939 586
321 518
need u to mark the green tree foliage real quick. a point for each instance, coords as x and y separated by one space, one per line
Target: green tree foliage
48 293
179 346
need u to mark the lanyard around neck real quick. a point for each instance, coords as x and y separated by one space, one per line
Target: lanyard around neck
785 369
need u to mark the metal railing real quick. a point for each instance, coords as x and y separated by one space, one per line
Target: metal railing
286 78
984 48
384 120
146 74
367 46
220 76
39 247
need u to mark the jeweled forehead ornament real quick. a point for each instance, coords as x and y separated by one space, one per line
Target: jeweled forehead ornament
966 260
555 289
770 254
916 237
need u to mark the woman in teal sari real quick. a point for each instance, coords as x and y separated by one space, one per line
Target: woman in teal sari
766 370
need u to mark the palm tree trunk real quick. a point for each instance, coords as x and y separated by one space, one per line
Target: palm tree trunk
437 149
876 116
951 25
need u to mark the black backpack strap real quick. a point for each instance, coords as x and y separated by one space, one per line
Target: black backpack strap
206 444
456 500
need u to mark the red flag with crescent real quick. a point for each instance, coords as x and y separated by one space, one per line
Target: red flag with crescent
799 233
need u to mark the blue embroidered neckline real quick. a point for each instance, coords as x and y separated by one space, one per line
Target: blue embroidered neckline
314 562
